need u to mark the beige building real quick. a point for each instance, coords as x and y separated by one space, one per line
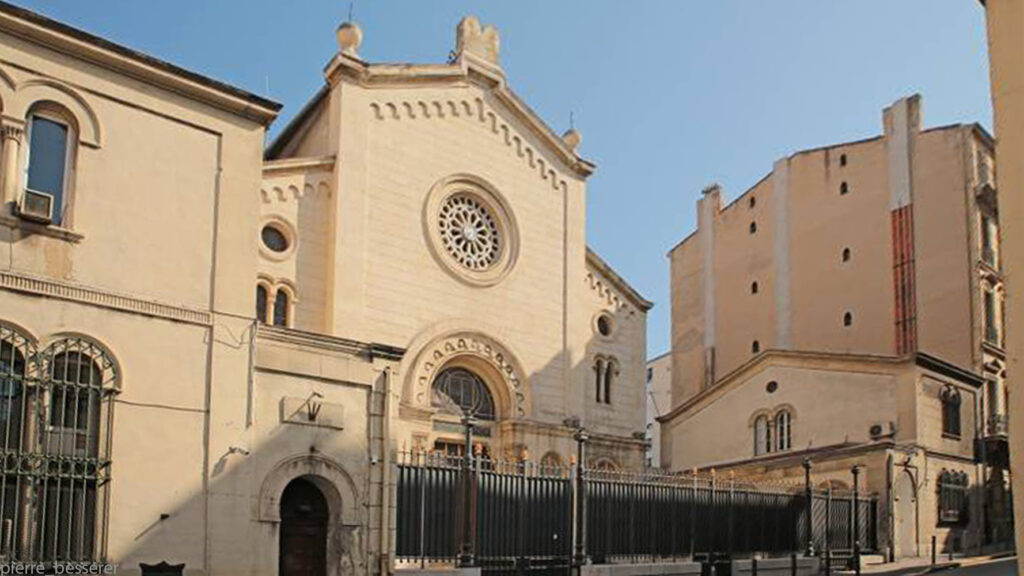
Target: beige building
210 352
659 400
848 308
1006 45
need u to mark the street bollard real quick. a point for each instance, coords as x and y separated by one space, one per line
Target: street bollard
828 562
792 564
753 566
934 550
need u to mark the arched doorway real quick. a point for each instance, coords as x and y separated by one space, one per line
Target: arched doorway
303 542
905 501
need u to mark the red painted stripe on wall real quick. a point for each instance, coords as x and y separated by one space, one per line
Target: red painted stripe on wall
904 275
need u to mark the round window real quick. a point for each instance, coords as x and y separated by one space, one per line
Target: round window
772 387
469 232
604 325
274 239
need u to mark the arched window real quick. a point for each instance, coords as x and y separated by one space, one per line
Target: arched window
952 488
51 138
599 370
261 303
61 423
753 227
762 436
846 254
458 392
611 369
848 319
782 430
843 189
753 287
755 347
281 306
950 398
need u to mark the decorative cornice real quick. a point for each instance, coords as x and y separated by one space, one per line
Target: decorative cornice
616 281
474 109
331 343
66 39
290 165
96 297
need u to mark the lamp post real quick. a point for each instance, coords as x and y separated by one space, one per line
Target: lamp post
856 519
466 558
810 506
580 553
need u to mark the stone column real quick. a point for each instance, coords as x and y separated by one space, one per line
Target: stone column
11 136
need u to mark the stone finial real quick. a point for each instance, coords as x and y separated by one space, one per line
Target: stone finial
350 36
572 139
480 41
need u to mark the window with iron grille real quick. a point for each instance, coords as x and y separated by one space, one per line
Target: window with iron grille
950 397
55 416
952 488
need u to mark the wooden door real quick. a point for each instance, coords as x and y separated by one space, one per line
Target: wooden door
304 518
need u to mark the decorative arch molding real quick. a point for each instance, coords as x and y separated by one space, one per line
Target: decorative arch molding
285 193
329 476
449 345
759 413
114 364
37 90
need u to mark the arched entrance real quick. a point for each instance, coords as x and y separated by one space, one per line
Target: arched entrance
303 541
905 501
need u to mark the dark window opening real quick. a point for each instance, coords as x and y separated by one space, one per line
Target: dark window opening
752 201
755 347
753 288
753 227
274 239
843 189
261 303
953 502
848 319
950 398
458 392
281 309
846 254
842 159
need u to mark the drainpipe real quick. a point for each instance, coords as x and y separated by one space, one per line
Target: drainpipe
385 475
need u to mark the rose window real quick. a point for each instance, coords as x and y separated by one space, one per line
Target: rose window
469 232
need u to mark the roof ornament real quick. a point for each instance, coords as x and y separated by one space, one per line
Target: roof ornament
481 42
571 137
350 36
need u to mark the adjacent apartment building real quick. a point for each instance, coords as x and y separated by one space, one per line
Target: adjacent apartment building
210 350
847 309
1005 23
659 400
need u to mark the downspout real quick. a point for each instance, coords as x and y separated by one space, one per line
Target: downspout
890 500
385 475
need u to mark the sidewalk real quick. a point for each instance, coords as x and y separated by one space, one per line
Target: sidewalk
923 565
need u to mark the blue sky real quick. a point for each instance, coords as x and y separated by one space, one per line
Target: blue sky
669 95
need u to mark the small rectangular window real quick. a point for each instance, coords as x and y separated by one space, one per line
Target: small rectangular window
47 161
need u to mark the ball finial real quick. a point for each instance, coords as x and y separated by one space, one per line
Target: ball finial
350 36
572 138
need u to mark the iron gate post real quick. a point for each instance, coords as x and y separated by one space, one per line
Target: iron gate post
856 519
466 558
810 506
580 552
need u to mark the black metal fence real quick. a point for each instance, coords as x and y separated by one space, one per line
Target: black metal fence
521 512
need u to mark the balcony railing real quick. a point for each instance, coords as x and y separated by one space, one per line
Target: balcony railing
998 425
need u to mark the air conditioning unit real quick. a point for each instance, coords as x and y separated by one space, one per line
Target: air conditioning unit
881 430
36 206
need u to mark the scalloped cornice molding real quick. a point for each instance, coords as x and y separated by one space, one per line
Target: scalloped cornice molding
471 109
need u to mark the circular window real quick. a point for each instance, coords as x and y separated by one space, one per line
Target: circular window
772 386
274 239
469 232
605 325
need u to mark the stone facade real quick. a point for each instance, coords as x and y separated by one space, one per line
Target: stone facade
659 401
276 323
842 262
1005 21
